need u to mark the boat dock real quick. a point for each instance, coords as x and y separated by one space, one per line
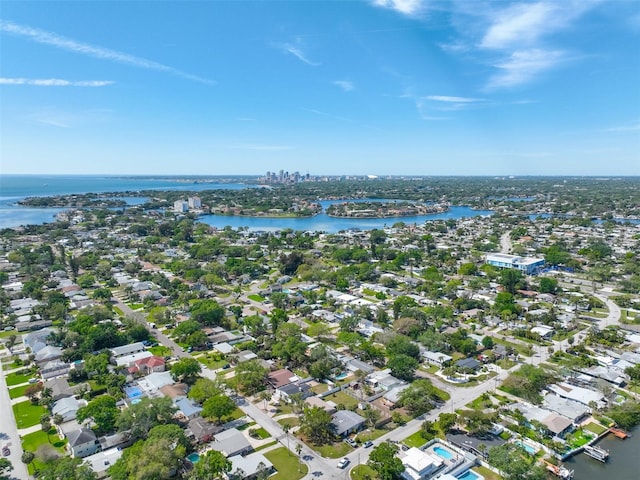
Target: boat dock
619 433
559 471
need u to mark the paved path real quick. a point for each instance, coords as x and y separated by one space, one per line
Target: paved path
9 432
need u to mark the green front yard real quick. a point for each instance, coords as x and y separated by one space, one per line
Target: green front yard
17 391
291 421
27 415
415 440
579 438
17 378
335 450
32 441
287 464
363 472
256 298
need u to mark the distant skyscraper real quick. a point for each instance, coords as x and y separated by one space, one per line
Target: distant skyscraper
195 202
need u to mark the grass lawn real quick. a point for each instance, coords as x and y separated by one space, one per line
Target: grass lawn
17 391
335 450
287 464
372 434
235 415
17 378
27 415
363 472
261 433
480 404
320 388
579 438
32 441
595 428
430 368
342 398
160 351
291 421
256 298
136 306
487 474
414 440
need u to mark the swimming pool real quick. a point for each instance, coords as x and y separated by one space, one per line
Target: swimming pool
530 450
193 457
469 475
342 375
133 392
443 453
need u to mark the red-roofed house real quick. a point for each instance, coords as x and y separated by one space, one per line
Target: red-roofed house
281 377
148 365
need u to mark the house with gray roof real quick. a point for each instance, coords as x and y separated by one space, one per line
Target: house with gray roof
129 349
346 422
66 407
252 466
231 442
188 408
82 443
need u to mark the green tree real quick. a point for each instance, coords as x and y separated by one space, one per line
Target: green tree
510 279
218 406
5 468
187 370
203 389
384 461
207 312
420 397
402 366
446 421
316 425
548 285
515 463
103 411
212 466
141 417
251 377
66 468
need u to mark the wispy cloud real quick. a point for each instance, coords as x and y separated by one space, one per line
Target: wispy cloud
297 52
54 82
63 43
262 147
406 7
448 99
520 23
345 85
523 66
624 128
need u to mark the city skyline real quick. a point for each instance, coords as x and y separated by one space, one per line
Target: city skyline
401 87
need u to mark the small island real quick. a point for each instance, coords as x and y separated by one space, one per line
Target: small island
383 209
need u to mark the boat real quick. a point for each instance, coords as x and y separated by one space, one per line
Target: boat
559 471
596 452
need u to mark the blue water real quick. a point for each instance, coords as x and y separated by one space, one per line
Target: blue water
132 392
193 457
16 187
528 448
469 475
441 452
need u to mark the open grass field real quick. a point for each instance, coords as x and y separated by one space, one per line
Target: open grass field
27 415
287 464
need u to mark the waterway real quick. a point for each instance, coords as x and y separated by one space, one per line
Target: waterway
623 464
16 187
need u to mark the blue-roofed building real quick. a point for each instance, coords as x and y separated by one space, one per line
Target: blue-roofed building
188 408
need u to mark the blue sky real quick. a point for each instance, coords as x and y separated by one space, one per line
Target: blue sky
405 87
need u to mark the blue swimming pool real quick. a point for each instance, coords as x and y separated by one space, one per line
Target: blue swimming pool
468 475
342 375
443 453
133 392
530 450
193 457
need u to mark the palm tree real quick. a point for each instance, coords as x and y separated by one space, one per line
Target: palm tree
286 427
298 451
265 396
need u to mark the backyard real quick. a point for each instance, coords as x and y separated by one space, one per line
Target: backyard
341 398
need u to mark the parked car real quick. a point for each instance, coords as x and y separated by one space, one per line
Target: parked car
351 442
344 462
5 451
367 444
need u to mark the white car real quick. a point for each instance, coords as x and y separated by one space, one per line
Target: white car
344 462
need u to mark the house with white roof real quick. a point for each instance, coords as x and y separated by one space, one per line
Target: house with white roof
419 464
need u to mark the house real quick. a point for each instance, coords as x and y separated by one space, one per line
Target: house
60 388
148 365
346 422
202 430
578 394
382 380
129 349
54 368
527 265
285 392
436 358
155 381
281 377
48 354
231 442
252 466
392 397
129 360
188 408
468 364
318 402
574 411
101 461
558 425
66 407
82 443
419 464
353 365
544 331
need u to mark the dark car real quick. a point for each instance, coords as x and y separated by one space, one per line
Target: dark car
5 451
367 444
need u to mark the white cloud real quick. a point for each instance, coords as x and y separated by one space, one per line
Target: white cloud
520 23
345 85
54 40
406 7
522 66
297 52
448 99
54 82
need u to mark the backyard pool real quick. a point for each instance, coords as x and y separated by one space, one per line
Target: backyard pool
469 475
342 375
530 450
193 458
133 392
443 453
